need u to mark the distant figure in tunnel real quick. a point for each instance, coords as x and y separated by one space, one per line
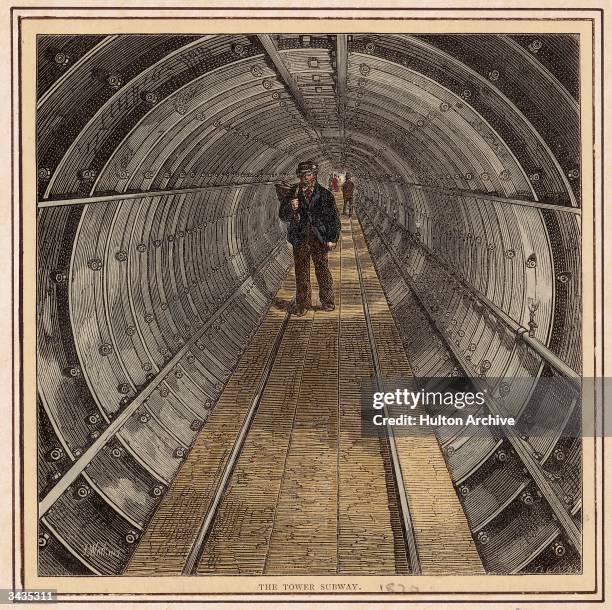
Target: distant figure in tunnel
348 188
314 229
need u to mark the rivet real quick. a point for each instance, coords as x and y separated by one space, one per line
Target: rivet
62 59
106 349
559 455
82 491
157 491
151 97
501 456
114 80
563 277
535 45
558 549
56 454
86 174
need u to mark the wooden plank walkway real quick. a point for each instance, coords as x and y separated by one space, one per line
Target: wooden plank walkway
309 493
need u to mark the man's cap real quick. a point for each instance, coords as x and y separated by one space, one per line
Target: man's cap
306 166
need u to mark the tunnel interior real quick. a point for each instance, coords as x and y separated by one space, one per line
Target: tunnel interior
160 250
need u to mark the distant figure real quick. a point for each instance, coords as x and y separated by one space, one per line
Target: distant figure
314 229
348 188
335 183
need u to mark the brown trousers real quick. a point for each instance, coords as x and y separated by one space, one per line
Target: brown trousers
301 258
348 203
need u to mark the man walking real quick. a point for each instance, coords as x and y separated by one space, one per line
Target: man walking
314 229
347 194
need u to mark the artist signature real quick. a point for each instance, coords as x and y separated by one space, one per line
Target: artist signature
100 549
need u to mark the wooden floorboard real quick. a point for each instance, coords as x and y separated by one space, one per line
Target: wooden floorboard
310 493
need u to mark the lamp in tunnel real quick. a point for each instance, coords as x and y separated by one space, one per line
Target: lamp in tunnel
533 304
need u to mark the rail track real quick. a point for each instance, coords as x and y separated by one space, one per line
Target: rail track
282 479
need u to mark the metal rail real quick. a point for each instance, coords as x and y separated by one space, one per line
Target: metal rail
52 203
341 78
197 547
521 446
406 519
519 330
115 425
470 197
275 57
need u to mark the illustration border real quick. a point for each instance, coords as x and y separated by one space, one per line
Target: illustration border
18 366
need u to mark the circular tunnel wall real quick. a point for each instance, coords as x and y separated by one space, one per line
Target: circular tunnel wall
160 247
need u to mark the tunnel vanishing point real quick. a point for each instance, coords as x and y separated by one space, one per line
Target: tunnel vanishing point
187 422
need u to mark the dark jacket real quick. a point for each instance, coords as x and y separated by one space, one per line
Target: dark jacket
347 189
320 215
